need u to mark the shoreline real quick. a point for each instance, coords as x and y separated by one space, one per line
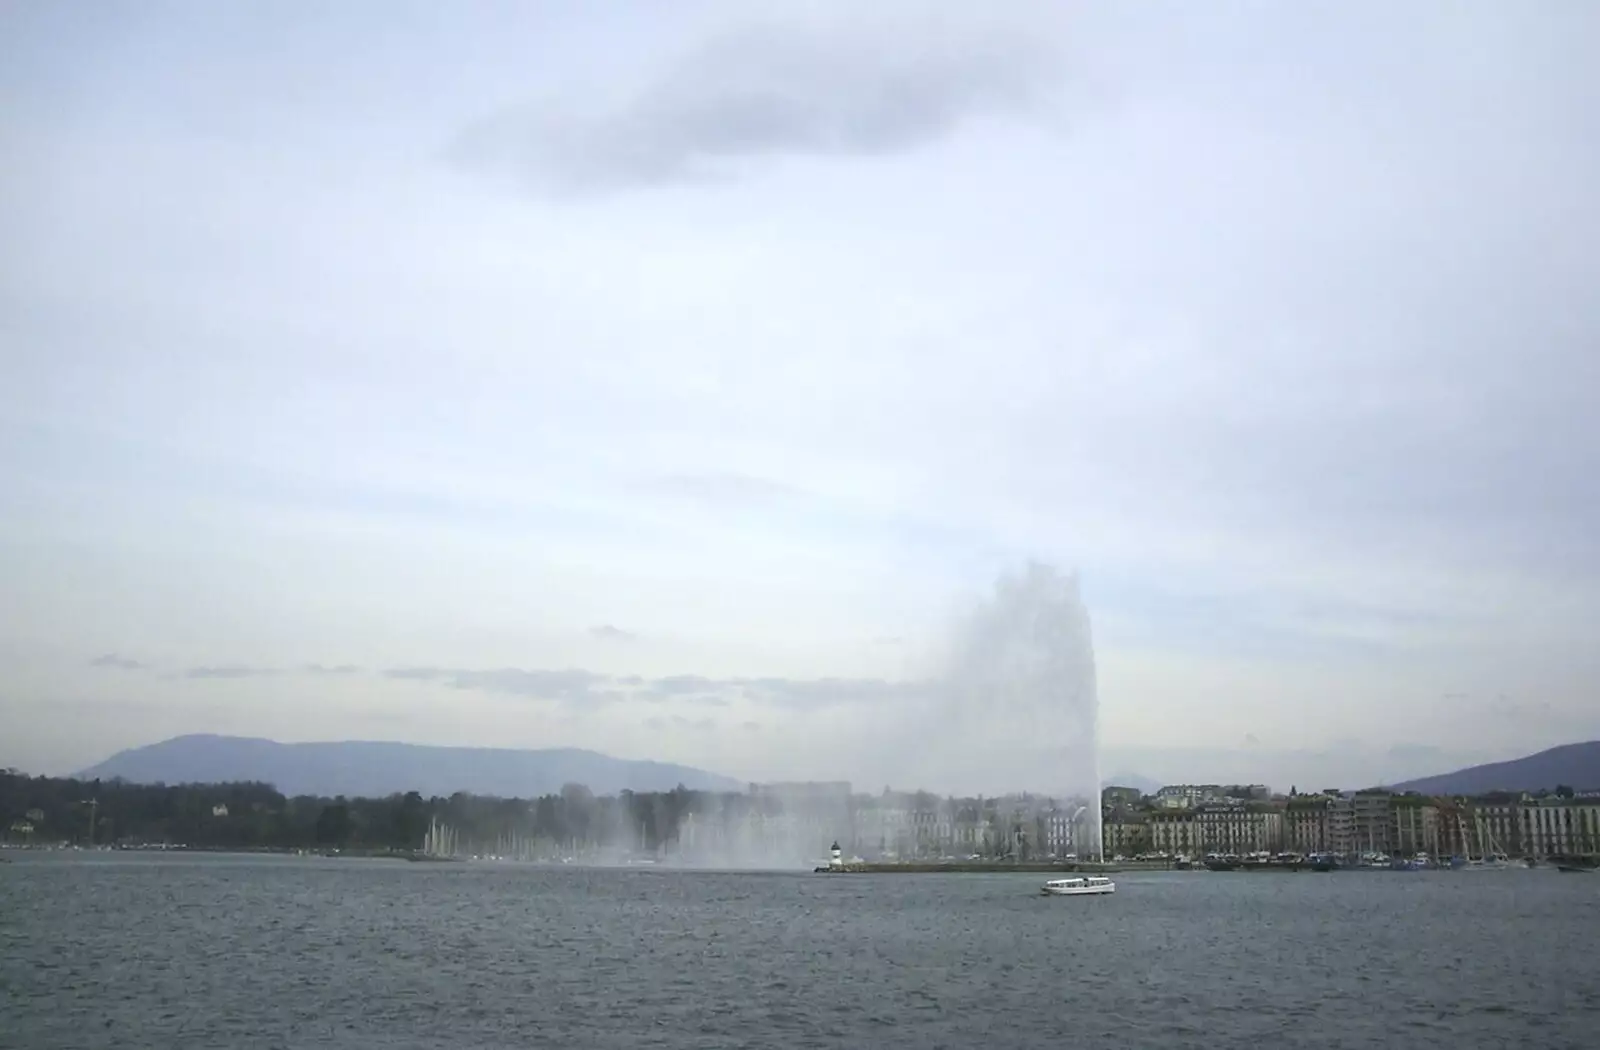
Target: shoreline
975 867
1579 863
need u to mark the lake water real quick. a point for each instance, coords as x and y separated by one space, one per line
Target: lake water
197 951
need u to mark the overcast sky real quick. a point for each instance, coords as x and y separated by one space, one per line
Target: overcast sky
541 374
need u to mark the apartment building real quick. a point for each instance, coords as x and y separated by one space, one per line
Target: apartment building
1554 827
1372 826
1128 837
1306 827
1404 825
1416 827
1217 827
1184 796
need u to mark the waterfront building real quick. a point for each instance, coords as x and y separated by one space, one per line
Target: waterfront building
1416 826
967 828
798 822
1127 837
1217 827
1372 822
880 826
1341 825
1306 824
1173 832
1120 799
1185 796
927 829
1056 832
1555 826
828 793
1497 825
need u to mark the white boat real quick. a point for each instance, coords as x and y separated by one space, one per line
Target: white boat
1078 886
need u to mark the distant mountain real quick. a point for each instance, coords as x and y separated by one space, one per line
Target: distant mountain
1145 785
374 768
1571 765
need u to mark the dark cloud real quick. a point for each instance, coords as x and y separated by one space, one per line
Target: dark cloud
229 671
750 727
868 88
610 633
112 661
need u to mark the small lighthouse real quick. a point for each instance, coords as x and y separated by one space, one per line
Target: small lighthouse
836 857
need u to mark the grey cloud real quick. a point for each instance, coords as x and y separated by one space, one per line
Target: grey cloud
680 722
1553 718
562 680
821 693
416 674
114 662
106 709
684 684
750 727
564 685
584 687
1417 754
570 686
865 87
610 633
229 671
693 689
336 669
1504 706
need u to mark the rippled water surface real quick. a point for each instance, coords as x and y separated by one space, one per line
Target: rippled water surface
184 951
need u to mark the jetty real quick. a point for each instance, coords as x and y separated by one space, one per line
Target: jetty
985 867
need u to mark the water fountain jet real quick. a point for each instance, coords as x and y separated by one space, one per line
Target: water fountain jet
1026 658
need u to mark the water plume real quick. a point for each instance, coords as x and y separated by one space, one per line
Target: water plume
1023 676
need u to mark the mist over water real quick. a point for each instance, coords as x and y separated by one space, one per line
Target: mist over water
1009 708
1023 678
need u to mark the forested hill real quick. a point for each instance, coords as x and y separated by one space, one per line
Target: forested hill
1570 766
378 768
50 811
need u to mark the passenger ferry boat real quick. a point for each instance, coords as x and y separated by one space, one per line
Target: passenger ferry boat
1078 886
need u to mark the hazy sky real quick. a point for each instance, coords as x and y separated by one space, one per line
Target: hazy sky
539 374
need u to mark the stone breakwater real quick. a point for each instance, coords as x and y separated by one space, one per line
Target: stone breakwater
975 867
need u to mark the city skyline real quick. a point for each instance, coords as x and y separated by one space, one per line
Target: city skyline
672 382
784 824
378 768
